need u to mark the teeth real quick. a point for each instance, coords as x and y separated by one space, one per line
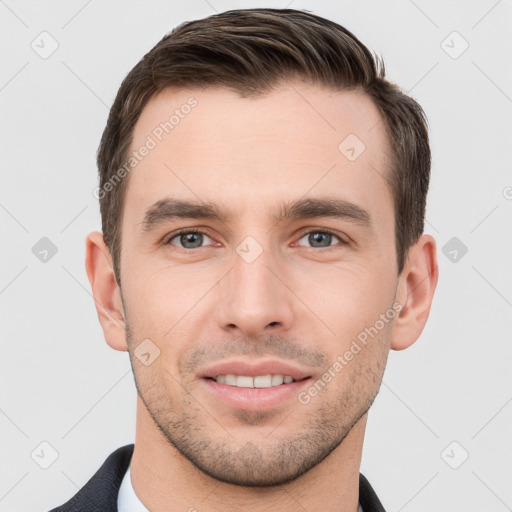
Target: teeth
230 379
277 380
244 382
263 381
260 381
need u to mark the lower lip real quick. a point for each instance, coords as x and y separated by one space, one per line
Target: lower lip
254 399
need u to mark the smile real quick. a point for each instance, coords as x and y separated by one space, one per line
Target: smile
259 381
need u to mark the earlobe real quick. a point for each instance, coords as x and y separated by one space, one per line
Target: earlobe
105 290
416 287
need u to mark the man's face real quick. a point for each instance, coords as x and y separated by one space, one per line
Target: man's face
266 289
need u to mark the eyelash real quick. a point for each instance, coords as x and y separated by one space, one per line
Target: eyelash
302 234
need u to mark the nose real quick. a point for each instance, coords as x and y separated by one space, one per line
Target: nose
254 297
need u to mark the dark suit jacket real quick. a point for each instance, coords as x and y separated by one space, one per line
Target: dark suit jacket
99 494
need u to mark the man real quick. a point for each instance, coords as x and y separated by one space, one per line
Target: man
262 192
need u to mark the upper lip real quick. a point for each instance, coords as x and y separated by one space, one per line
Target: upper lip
253 369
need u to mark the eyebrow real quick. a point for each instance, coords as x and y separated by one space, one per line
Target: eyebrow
169 209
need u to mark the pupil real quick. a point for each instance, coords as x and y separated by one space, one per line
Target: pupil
320 237
195 240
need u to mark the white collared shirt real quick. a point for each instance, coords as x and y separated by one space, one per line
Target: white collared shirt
127 500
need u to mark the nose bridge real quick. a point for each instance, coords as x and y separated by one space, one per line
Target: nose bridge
252 298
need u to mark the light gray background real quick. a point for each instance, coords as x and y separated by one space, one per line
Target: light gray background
62 384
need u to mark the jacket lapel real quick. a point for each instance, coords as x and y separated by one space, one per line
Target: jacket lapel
99 494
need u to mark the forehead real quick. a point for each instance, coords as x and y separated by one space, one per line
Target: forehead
249 153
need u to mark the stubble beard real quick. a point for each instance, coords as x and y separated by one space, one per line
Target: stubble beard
264 461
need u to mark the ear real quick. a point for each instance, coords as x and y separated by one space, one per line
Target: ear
105 290
416 286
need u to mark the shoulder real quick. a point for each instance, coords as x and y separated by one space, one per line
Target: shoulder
367 496
100 492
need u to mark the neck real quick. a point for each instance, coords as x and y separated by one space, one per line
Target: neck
164 479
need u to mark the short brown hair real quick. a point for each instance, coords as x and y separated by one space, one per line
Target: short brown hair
251 51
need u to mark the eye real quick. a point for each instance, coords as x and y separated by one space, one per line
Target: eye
194 239
189 239
320 239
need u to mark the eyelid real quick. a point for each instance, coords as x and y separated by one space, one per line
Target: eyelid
301 233
167 240
306 231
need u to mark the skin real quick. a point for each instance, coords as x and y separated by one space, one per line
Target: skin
296 302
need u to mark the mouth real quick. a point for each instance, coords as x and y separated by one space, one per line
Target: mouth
254 387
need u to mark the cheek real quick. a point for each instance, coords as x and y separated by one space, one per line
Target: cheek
163 298
163 307
350 298
354 306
